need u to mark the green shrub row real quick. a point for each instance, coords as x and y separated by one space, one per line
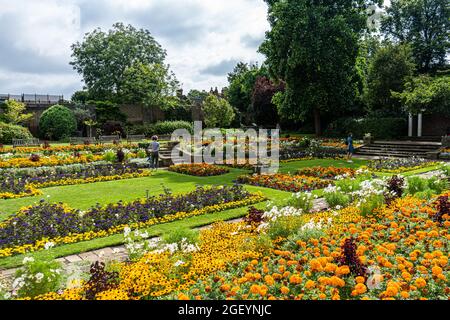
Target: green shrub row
162 127
380 128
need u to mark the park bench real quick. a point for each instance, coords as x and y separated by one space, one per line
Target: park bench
82 140
135 137
26 142
111 139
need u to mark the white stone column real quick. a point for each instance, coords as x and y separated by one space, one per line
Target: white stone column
410 125
419 125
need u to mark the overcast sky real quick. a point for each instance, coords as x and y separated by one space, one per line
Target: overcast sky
204 39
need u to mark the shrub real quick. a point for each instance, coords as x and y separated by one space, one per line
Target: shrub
416 184
380 128
337 198
302 200
283 227
57 122
11 131
167 127
438 185
37 277
368 205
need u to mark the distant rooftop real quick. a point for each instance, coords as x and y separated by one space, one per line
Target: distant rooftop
33 98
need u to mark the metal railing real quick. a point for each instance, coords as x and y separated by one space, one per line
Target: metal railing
33 98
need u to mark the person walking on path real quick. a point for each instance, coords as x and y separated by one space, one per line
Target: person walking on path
154 153
350 148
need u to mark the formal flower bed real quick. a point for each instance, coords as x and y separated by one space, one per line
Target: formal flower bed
22 183
326 172
95 148
399 165
200 170
47 161
332 255
284 182
35 226
364 259
445 154
160 273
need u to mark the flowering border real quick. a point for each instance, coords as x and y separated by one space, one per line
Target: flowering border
73 238
33 188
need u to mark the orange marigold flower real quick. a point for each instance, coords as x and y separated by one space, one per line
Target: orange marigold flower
182 296
436 270
361 288
269 280
404 294
420 282
284 290
360 280
310 284
255 289
342 270
295 279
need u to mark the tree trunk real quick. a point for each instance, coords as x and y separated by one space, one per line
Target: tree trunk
317 126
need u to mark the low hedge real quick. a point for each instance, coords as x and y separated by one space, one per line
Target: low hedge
380 128
161 128
11 131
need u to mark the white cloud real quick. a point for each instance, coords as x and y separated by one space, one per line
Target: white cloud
197 34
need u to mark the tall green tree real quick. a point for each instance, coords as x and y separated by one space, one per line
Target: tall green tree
241 84
150 85
425 25
389 69
103 57
313 46
217 112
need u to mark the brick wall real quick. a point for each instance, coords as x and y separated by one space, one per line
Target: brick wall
435 125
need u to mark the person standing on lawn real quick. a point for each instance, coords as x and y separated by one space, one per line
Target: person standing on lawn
154 153
350 148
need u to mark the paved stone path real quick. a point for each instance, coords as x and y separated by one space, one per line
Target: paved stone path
119 253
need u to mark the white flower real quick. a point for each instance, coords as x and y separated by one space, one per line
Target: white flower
7 296
126 231
178 263
27 259
49 245
39 276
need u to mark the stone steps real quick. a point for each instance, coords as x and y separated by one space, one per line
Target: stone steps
401 149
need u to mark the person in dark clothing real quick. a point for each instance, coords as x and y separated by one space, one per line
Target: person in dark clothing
153 151
350 148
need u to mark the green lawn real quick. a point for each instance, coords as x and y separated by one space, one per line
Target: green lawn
86 195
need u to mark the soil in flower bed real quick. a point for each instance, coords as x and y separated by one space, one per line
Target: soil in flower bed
284 182
200 170
48 221
326 172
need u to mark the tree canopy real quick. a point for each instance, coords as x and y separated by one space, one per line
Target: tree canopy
313 47
389 69
426 94
217 112
425 25
102 58
15 113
